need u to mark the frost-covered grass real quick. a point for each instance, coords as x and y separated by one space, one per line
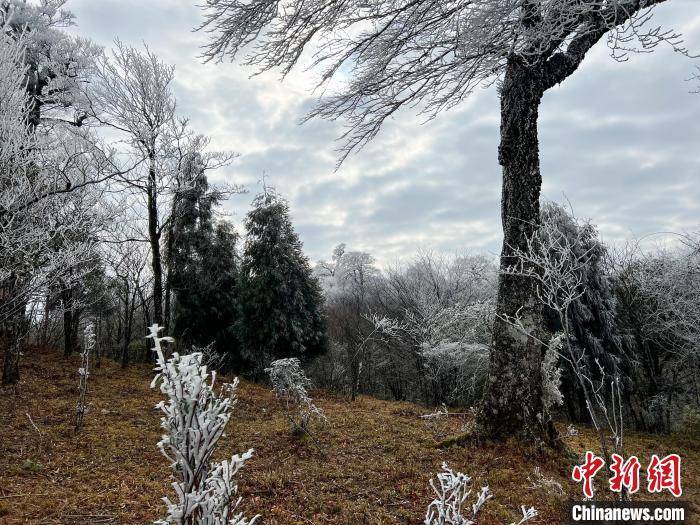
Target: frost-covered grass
374 466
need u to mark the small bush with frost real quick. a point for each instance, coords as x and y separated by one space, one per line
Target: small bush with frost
194 418
450 506
290 384
549 485
84 374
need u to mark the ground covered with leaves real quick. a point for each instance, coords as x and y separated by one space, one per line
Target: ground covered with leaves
368 464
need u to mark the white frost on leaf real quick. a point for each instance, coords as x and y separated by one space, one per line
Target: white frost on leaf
194 418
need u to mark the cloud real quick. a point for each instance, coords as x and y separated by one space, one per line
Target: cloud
618 140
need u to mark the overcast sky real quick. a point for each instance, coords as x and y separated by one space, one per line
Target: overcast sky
620 141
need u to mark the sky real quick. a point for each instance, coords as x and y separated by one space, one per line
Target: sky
619 141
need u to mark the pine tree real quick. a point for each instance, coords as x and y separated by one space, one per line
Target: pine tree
202 267
592 316
280 298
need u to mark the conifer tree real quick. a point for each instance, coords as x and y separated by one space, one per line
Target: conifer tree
202 266
280 298
592 315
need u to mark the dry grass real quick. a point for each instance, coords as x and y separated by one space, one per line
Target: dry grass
371 466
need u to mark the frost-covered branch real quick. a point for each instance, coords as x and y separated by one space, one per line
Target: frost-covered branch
84 374
431 55
194 419
450 506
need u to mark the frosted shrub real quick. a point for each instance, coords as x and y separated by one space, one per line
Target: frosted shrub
210 357
195 417
571 431
549 485
450 506
290 384
84 374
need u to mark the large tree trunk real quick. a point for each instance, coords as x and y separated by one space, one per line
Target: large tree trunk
12 308
512 404
67 302
154 238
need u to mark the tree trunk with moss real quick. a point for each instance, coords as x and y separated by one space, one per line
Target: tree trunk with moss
512 404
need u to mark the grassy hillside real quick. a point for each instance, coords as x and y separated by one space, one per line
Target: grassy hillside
371 464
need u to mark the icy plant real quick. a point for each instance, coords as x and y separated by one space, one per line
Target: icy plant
210 357
290 384
194 419
439 413
450 506
539 481
84 374
571 431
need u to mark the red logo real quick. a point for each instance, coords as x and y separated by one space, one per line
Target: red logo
587 472
665 474
625 474
662 474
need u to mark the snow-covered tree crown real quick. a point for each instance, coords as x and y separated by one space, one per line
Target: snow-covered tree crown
60 65
403 52
194 419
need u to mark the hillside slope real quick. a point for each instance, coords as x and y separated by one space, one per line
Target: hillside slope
370 465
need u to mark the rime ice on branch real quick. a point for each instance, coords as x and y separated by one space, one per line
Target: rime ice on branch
290 384
450 505
195 417
84 373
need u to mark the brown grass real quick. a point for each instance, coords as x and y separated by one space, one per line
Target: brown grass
371 466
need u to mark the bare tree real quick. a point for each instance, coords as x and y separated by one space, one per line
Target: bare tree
134 96
434 54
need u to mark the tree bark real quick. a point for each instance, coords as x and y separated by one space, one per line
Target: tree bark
154 238
12 309
67 301
512 404
128 318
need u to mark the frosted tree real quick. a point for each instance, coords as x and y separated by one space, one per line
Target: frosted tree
133 95
432 55
446 309
349 282
59 65
50 204
658 304
592 316
194 419
281 305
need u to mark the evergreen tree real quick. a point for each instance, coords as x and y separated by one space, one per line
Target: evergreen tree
202 266
280 299
592 316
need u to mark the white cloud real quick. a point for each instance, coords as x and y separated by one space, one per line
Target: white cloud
619 140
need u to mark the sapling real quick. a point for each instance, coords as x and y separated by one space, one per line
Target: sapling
290 384
84 374
450 506
195 417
